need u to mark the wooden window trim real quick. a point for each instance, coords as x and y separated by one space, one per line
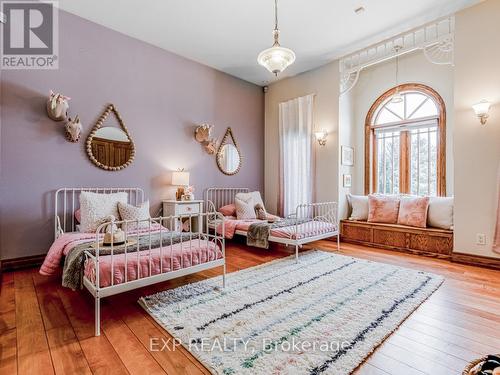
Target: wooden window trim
370 141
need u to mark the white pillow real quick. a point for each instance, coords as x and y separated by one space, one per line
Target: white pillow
257 198
245 206
94 207
440 214
131 212
359 207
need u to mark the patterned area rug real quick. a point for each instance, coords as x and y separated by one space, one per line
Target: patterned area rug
324 314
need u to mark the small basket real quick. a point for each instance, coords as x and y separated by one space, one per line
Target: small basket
474 363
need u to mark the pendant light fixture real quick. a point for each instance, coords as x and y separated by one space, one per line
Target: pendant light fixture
397 97
276 59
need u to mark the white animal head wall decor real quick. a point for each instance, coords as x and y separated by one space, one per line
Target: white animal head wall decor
57 106
203 134
73 129
211 146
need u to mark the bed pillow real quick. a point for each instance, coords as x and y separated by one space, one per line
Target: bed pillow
245 206
95 206
440 213
359 206
228 210
260 209
383 209
78 215
413 211
131 212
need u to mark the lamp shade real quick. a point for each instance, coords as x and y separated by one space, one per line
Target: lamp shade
482 108
276 59
180 178
320 134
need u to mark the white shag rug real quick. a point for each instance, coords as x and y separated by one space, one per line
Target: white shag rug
323 315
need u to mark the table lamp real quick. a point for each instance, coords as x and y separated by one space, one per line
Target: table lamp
180 178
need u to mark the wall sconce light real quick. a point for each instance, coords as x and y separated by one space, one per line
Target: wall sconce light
321 137
481 109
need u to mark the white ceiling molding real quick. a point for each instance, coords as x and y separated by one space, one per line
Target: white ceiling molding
435 39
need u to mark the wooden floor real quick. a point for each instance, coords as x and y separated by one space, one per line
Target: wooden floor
46 329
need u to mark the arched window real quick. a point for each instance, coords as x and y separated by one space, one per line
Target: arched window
405 143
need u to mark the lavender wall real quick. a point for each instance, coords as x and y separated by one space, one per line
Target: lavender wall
160 97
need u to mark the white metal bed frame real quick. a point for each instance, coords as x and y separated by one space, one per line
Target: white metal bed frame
67 202
317 213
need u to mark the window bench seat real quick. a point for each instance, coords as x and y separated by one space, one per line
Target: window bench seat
423 241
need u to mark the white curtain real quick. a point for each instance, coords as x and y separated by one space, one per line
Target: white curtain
296 153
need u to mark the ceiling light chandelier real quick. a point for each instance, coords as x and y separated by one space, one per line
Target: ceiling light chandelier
397 97
277 58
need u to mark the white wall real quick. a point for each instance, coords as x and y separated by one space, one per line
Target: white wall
473 151
324 82
373 82
477 148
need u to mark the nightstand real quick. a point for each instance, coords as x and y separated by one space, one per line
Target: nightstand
183 208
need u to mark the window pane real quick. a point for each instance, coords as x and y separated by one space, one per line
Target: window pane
385 117
398 109
380 166
393 118
388 162
428 109
413 100
423 156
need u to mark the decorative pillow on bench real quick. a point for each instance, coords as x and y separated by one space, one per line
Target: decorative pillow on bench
440 213
383 209
413 211
359 207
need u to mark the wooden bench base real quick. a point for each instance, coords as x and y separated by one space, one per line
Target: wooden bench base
423 241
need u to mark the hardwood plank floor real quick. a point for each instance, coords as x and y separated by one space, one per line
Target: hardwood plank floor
45 328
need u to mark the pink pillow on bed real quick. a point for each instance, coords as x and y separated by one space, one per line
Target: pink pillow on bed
383 209
228 210
78 215
413 211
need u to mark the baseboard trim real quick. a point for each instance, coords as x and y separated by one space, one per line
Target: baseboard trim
23 262
476 260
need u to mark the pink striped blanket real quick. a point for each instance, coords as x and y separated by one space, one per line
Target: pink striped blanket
67 241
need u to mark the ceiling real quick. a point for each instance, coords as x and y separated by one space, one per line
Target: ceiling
228 34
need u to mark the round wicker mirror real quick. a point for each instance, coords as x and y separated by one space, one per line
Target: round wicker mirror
109 147
228 155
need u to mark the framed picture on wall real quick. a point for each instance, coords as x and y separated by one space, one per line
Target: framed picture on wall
347 155
347 180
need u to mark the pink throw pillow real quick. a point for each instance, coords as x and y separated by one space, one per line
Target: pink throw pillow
413 211
78 215
383 209
228 210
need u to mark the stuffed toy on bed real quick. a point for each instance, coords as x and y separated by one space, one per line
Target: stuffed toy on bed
260 212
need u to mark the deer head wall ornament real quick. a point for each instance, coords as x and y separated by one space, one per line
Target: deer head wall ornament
57 106
203 134
73 129
211 146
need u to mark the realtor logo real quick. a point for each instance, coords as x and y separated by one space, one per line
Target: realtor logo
29 35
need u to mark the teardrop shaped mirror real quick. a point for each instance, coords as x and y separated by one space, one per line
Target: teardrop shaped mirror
228 155
110 147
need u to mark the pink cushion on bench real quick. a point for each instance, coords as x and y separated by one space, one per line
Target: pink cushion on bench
413 211
383 209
